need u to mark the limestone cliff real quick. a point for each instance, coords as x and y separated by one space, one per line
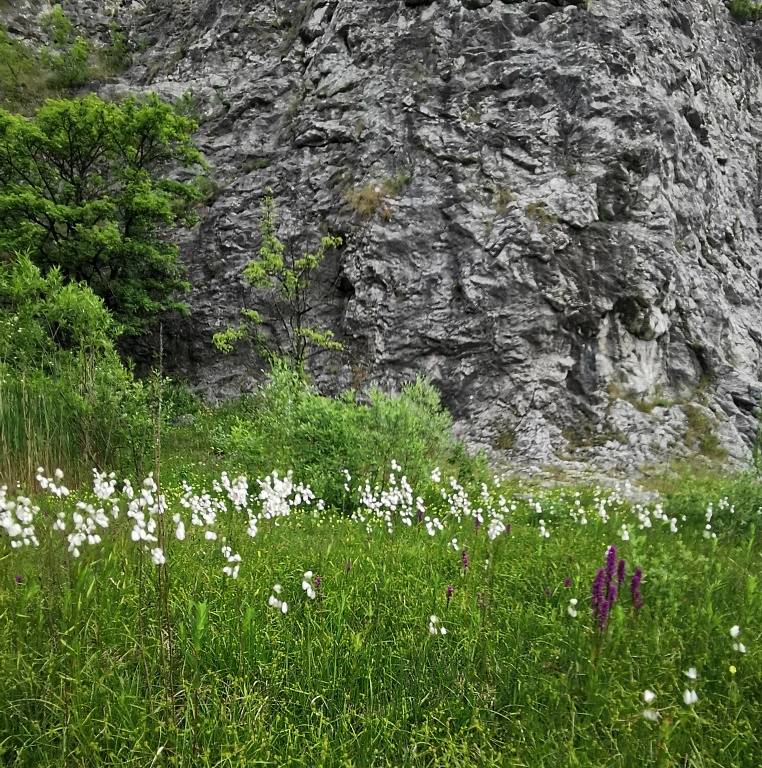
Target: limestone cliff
565 200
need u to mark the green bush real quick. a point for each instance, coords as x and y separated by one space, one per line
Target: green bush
68 56
22 78
288 426
745 10
116 56
66 400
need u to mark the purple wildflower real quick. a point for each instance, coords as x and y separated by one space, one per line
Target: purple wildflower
567 582
611 562
598 590
450 590
318 582
637 598
19 579
605 590
464 561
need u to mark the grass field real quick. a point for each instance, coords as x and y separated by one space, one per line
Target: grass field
129 656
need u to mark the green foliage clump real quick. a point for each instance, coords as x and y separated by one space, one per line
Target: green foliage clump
288 280
68 55
91 187
66 400
116 56
22 78
290 426
68 62
745 10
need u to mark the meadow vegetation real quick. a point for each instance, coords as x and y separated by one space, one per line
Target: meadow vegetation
315 581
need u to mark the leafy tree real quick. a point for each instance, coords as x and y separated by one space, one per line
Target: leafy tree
287 281
91 187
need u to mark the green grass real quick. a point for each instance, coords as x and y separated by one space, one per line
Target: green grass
38 424
96 672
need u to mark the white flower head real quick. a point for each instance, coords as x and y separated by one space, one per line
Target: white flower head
572 608
740 647
691 673
435 628
648 696
690 697
157 555
735 631
651 714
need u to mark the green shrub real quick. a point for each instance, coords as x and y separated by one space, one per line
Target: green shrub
288 426
116 56
745 10
22 79
68 55
66 400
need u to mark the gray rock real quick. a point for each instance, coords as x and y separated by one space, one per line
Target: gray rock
581 228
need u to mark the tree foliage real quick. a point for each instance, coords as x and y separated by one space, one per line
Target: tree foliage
91 187
286 280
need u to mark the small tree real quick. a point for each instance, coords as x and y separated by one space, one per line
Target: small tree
288 284
91 187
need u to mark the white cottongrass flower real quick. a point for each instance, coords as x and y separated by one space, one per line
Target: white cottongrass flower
648 696
307 585
740 647
571 609
52 485
735 631
690 697
157 555
435 628
277 603
453 544
691 674
233 560
651 714
180 527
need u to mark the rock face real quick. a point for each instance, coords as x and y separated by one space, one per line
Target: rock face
550 209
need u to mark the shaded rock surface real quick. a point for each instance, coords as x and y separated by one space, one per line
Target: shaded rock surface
566 237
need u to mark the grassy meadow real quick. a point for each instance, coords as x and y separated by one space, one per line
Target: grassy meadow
217 621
